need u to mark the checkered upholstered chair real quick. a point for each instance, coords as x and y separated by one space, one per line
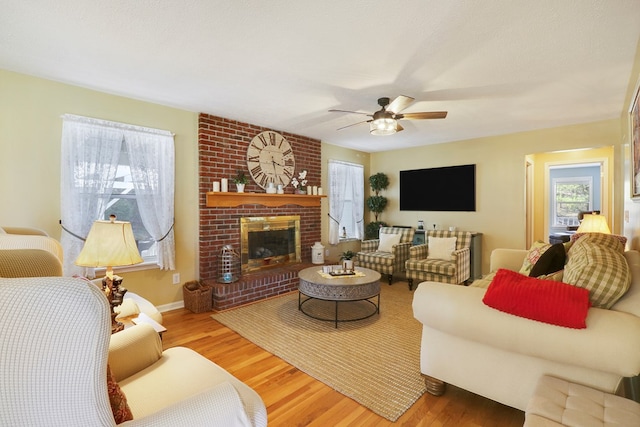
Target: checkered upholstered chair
386 262
421 267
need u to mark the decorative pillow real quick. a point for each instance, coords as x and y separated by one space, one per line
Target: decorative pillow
127 308
117 399
535 252
546 301
596 262
622 239
388 241
550 261
441 247
556 277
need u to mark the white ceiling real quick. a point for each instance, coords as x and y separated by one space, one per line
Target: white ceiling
497 66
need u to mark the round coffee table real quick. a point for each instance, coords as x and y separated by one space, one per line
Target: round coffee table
339 289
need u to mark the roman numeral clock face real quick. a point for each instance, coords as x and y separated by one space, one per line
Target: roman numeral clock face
270 159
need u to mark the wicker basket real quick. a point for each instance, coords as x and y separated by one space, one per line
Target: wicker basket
197 297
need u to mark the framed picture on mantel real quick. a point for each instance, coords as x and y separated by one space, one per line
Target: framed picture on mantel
634 133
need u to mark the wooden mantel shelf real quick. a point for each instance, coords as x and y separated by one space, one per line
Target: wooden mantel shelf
230 200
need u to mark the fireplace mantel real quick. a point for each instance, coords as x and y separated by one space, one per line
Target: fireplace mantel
229 200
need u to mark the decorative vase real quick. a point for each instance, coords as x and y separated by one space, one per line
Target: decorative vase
240 188
300 191
347 264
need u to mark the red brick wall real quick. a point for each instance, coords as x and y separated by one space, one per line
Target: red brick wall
222 147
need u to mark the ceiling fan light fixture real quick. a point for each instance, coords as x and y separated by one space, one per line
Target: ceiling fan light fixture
383 126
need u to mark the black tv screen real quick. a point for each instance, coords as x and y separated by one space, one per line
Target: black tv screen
451 188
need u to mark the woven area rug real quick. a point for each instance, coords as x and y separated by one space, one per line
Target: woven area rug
373 361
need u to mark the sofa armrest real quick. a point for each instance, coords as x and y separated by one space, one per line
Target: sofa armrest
217 406
511 259
369 245
25 231
418 251
610 342
133 350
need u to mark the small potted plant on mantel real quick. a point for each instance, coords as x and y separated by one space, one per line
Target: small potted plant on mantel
347 260
240 181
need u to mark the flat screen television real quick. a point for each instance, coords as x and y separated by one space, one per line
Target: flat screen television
450 188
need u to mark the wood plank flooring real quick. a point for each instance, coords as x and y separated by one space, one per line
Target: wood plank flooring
293 398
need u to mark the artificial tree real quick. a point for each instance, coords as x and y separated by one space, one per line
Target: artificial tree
376 204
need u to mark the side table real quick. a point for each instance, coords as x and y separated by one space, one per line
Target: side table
139 318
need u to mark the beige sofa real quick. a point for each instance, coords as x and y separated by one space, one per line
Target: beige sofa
152 379
501 356
30 252
56 342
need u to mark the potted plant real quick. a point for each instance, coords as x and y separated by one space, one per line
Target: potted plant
347 260
376 203
240 180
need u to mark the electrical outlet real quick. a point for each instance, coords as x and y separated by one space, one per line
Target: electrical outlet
176 278
326 252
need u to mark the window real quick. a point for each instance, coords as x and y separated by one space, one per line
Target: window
346 201
123 203
570 196
113 168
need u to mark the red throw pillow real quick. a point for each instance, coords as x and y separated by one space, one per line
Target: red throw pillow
546 301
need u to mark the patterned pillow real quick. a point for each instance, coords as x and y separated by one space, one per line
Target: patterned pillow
596 262
117 399
534 254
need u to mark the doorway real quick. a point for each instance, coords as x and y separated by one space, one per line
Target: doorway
540 198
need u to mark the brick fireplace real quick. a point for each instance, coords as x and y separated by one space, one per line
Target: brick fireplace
222 147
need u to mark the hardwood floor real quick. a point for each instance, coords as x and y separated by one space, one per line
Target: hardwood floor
293 398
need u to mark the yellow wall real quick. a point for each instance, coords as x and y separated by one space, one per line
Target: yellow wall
500 178
30 132
631 206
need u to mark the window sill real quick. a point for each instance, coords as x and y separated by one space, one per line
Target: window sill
349 239
148 265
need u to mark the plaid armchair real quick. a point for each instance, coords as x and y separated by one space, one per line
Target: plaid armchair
455 271
386 262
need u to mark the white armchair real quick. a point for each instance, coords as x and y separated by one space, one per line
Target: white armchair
54 342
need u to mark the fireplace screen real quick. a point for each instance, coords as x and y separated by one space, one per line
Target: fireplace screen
269 241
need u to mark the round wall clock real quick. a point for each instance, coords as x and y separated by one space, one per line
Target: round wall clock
270 159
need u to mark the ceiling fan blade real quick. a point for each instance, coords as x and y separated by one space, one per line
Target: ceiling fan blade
353 124
423 115
347 111
400 103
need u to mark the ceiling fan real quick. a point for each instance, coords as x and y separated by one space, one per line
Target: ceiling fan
385 120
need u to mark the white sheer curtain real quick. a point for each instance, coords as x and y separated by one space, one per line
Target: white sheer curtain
341 176
151 158
90 155
89 163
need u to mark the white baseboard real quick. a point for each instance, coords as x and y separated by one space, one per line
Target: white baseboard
170 306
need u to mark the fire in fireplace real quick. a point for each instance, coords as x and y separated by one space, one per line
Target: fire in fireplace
268 242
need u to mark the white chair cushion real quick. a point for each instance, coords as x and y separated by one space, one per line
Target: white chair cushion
388 241
441 247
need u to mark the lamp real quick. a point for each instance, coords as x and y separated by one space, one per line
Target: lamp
593 223
383 126
110 244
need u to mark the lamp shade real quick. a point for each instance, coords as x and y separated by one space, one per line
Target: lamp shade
109 244
592 223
